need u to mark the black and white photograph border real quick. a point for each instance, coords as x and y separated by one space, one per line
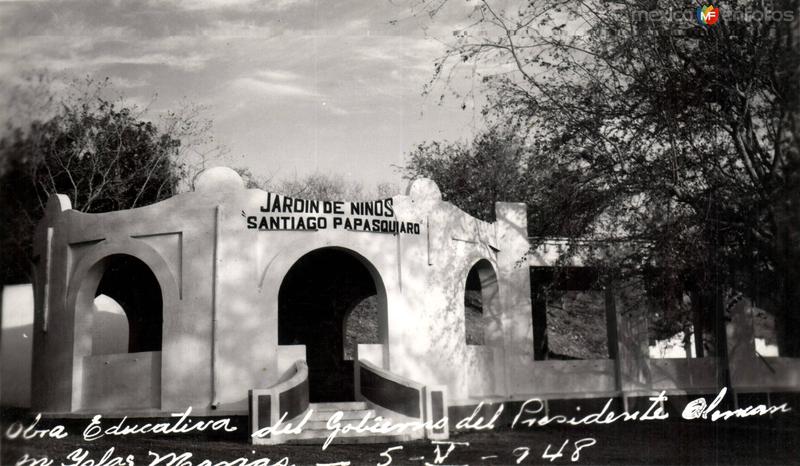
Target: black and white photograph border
428 232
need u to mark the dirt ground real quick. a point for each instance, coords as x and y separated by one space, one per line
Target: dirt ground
745 442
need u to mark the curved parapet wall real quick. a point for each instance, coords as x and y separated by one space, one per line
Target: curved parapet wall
282 402
390 391
220 255
396 394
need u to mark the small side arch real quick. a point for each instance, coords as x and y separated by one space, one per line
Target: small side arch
481 300
83 287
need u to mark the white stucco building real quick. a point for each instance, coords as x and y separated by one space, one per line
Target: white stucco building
227 289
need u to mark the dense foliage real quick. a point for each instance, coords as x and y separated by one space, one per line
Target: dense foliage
102 156
678 137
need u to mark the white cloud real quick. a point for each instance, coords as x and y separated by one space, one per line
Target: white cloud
209 4
273 88
334 109
124 82
277 75
187 62
216 4
304 59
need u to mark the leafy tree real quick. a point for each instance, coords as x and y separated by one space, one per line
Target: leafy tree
99 153
473 176
685 135
322 186
251 180
319 186
497 166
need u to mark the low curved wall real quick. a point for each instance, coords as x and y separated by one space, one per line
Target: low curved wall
285 400
390 391
427 404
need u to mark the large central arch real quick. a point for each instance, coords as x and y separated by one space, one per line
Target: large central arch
314 299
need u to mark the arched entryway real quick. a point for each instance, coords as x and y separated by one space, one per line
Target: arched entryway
314 300
117 358
133 286
480 301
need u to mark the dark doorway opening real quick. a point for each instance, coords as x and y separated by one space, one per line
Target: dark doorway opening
131 283
314 300
480 297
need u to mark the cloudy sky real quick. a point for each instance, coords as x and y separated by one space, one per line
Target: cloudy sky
293 86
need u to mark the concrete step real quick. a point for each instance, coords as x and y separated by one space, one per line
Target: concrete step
323 433
355 415
340 440
315 431
348 419
339 406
